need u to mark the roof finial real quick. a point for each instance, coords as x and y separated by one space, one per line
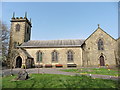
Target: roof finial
25 14
13 15
30 20
98 25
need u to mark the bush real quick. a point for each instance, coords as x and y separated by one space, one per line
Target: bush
59 65
48 65
23 66
40 66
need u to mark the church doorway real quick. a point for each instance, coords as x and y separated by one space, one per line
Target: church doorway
18 62
102 62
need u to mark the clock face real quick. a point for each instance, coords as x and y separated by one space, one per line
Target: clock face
17 27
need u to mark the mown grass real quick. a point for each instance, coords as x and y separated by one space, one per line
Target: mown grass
101 71
58 81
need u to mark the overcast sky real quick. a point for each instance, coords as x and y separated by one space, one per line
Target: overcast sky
65 20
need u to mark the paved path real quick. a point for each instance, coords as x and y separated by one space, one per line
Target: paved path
56 71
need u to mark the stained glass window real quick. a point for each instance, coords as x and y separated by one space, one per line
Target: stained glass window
54 56
70 56
100 45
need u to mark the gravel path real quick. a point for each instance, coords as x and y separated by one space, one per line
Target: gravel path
56 71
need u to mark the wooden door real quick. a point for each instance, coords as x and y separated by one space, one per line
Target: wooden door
18 62
102 63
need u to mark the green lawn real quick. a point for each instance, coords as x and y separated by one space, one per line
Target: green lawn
102 71
58 81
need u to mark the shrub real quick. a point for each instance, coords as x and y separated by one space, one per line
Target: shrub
48 65
107 65
40 66
59 65
23 66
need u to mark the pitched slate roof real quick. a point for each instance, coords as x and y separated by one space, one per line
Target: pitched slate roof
24 52
53 43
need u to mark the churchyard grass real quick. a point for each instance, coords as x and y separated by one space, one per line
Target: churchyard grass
100 71
58 81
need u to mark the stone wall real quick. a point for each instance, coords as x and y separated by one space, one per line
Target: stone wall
91 52
118 52
62 55
18 36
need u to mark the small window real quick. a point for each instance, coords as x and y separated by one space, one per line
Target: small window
15 44
70 56
54 56
27 29
39 56
100 44
18 27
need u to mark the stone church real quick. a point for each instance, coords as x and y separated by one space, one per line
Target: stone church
99 49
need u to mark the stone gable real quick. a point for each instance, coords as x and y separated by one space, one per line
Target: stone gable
92 52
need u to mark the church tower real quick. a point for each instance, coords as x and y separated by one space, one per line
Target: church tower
20 32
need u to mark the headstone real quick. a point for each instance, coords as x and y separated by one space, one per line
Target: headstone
22 75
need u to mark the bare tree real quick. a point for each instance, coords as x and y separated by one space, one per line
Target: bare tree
13 54
5 41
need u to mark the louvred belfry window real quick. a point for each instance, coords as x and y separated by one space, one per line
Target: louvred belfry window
18 27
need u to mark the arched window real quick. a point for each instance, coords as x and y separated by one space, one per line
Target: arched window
39 56
100 44
54 56
18 27
70 56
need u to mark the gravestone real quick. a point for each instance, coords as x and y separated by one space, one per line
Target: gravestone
22 75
